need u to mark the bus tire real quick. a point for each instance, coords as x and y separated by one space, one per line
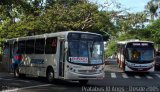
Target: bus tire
50 75
83 82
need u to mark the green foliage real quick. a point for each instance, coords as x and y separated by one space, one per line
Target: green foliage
0 57
76 17
141 34
36 17
26 17
111 48
154 28
151 8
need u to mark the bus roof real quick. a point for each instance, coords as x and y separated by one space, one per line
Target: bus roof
129 41
59 34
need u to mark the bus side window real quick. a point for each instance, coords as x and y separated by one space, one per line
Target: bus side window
39 46
15 48
21 47
51 45
30 46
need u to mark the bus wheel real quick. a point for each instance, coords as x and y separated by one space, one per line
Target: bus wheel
50 75
83 82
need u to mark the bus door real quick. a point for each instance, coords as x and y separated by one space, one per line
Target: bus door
61 58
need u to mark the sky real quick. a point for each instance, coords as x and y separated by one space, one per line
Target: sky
133 5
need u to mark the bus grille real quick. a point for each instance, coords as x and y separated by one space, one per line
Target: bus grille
87 71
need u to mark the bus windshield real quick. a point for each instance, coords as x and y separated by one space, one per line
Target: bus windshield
140 54
86 52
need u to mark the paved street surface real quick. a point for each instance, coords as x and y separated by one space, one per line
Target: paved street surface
114 81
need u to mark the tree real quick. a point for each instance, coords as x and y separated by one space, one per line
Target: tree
155 31
151 8
58 17
111 48
82 17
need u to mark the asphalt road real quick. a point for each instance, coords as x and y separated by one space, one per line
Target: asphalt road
114 81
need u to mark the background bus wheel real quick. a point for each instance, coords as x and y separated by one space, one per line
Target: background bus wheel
83 82
50 76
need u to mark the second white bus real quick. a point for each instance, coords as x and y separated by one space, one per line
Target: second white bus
136 56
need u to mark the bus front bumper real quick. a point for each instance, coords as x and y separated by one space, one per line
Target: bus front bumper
77 76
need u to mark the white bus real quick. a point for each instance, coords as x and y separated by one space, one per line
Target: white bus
136 55
72 55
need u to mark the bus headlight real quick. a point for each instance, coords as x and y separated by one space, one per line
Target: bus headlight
71 68
74 70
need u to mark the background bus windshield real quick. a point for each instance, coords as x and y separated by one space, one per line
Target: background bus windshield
140 52
85 49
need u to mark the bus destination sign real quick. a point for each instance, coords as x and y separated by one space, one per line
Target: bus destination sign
140 44
78 59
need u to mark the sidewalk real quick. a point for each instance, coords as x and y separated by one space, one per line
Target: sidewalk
4 74
2 67
3 71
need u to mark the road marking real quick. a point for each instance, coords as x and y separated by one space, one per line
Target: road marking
35 86
157 75
17 89
10 90
149 77
23 81
124 75
14 79
113 75
6 79
136 76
